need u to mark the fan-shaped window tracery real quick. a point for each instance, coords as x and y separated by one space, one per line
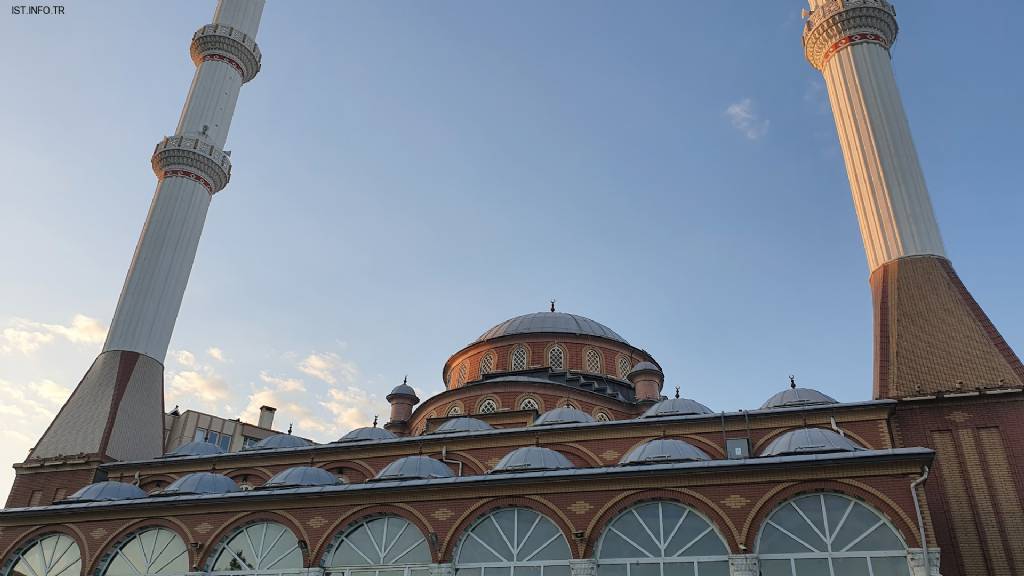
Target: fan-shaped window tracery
264 547
50 555
513 542
382 546
150 551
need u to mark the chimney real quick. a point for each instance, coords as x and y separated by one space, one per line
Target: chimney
267 417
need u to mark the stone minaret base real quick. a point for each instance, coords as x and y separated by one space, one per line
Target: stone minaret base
931 337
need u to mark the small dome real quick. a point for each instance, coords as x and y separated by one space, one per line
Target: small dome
367 433
644 367
302 476
664 450
106 491
196 448
200 483
676 407
415 468
531 458
281 441
793 397
464 424
810 441
403 389
551 322
563 415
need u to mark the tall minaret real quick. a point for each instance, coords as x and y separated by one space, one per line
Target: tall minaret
930 334
117 409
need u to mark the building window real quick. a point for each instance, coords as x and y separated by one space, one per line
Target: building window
462 376
389 544
602 417
264 547
662 538
624 367
249 442
529 404
163 552
200 435
487 363
556 358
819 533
225 442
213 438
513 538
455 410
488 407
51 555
592 361
518 358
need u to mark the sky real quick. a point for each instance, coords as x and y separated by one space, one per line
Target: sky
408 174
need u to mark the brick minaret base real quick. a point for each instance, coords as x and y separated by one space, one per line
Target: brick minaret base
931 337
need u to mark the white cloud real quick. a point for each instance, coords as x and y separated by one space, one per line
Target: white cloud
50 391
283 384
329 367
202 384
26 336
184 357
304 420
216 353
353 407
743 118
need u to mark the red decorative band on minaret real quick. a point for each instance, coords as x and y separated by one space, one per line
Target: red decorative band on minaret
191 176
226 60
852 39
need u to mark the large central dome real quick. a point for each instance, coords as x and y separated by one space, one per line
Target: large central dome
547 322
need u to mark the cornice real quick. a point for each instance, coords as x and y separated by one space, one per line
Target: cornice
840 23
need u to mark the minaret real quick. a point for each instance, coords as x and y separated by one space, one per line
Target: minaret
117 409
930 335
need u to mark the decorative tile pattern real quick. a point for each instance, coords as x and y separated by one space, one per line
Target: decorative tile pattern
735 501
316 521
204 528
610 455
98 533
442 514
580 507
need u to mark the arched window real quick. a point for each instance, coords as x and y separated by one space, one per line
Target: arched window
556 358
488 406
51 555
823 533
529 404
624 366
487 363
266 547
462 375
518 358
513 537
151 551
661 539
602 417
454 410
383 546
592 361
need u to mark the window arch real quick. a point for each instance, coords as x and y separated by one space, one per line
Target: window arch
819 533
149 551
513 537
556 357
454 410
487 363
385 545
50 555
624 366
592 361
519 358
602 416
529 403
661 539
263 546
488 406
462 375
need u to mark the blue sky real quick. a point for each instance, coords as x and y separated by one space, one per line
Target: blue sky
408 174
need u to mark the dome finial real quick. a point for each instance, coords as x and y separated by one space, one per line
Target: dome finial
677 391
792 381
405 380
552 305
374 420
289 429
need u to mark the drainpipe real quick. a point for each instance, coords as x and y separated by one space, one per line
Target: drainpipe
444 458
920 519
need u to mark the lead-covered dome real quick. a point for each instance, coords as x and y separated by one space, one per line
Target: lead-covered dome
367 433
196 448
281 441
299 476
563 415
551 322
664 450
106 491
415 468
676 407
530 458
200 483
793 397
810 441
464 424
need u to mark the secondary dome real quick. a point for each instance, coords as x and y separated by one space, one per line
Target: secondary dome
281 441
367 433
531 458
793 397
106 491
196 448
644 366
464 424
200 483
414 468
676 407
664 450
563 415
810 441
302 476
557 322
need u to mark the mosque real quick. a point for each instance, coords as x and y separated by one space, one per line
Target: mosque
555 449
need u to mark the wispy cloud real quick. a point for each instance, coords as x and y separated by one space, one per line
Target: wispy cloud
283 384
743 118
216 353
27 336
328 367
193 380
353 407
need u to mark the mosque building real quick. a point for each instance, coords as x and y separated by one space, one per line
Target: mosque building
556 448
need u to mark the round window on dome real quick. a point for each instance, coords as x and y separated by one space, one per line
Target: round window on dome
602 417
